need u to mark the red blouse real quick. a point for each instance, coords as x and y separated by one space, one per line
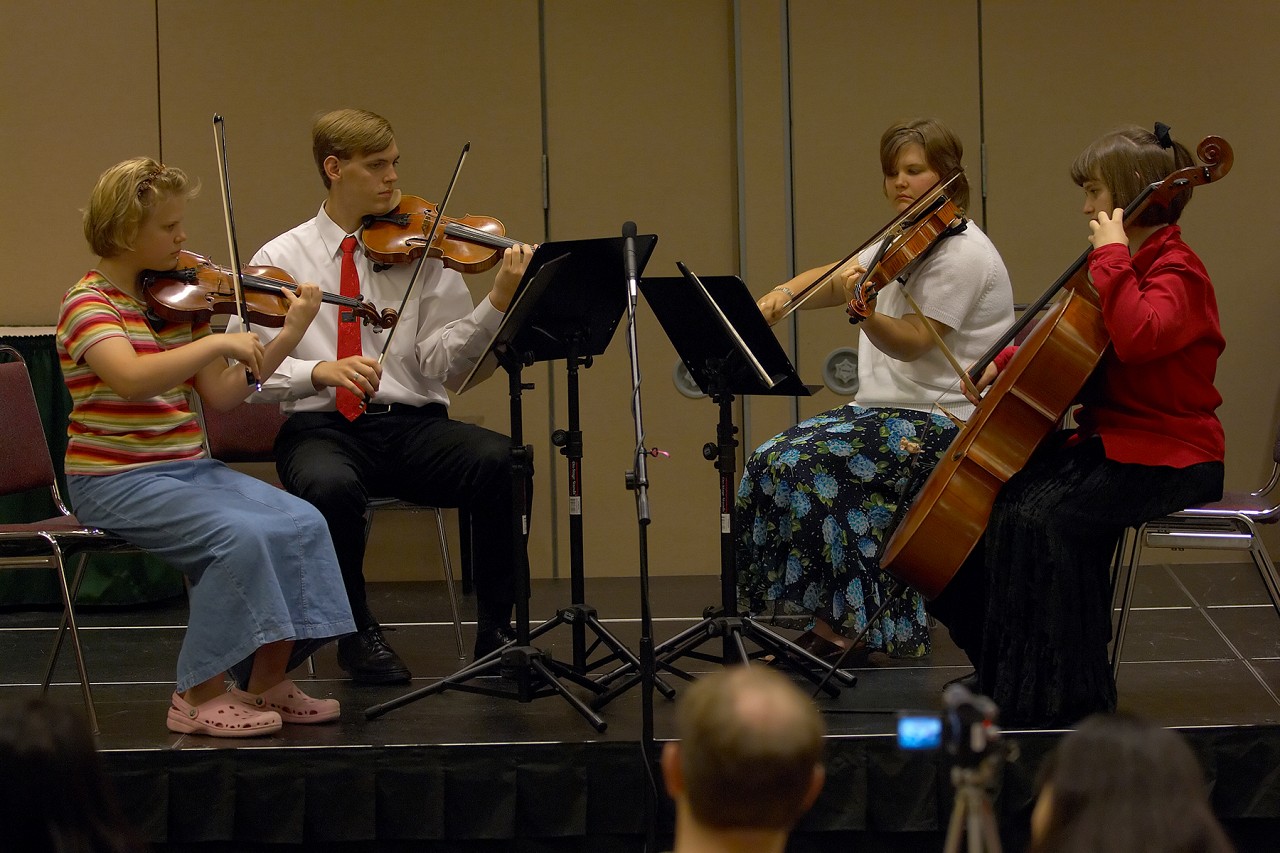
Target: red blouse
1152 398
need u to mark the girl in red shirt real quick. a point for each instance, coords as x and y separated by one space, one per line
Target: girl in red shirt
1032 605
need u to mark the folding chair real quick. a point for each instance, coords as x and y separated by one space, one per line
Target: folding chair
1228 524
26 464
247 433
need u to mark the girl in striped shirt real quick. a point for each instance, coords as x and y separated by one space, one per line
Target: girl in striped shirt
265 589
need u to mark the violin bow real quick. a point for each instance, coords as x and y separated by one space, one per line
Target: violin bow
220 148
417 270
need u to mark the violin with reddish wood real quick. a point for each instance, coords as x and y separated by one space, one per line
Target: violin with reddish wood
903 243
469 244
197 289
906 244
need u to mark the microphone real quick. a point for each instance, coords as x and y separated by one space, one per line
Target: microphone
629 249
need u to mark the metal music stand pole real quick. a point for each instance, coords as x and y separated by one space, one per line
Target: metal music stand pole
575 321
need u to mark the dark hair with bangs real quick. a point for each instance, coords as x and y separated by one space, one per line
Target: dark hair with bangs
1126 160
942 151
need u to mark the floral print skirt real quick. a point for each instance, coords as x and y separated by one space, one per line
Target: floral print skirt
815 508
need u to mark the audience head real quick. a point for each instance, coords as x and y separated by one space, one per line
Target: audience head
749 754
56 796
1120 784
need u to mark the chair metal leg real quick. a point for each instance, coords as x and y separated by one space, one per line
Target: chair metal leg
447 563
69 622
1119 566
1262 561
1126 600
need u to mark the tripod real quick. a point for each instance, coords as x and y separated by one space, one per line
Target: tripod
972 816
528 672
702 319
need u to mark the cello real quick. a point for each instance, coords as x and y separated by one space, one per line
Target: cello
1026 402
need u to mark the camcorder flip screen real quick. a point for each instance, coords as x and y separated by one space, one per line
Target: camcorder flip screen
919 731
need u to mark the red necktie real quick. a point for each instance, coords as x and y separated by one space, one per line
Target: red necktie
349 326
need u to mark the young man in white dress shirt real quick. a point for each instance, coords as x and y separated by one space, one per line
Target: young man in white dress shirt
403 443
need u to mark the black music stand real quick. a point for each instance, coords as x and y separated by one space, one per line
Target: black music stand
528 672
575 321
724 341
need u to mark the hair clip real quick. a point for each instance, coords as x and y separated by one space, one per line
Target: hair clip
1162 135
146 183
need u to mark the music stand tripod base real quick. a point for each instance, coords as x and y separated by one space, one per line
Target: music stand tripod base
723 340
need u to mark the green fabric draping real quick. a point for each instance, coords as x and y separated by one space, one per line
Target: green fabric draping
110 579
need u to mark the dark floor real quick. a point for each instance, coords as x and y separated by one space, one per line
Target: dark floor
1203 650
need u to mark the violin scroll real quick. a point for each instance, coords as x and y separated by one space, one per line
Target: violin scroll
1217 156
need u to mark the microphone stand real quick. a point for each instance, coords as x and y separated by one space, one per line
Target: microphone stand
638 481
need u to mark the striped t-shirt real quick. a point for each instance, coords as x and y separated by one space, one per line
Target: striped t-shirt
107 433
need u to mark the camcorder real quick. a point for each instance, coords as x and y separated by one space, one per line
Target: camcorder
966 729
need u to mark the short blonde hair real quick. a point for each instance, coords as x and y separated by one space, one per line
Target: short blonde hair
122 199
346 134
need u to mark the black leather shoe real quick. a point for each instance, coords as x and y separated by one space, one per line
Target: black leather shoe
368 659
491 639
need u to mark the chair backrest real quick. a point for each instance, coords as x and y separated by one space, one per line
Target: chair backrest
25 462
247 433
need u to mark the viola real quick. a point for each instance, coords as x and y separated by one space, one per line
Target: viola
906 244
1023 406
469 244
197 289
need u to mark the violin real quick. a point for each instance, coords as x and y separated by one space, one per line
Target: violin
903 242
469 244
197 289
906 244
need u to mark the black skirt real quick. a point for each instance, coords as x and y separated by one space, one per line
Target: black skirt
1047 554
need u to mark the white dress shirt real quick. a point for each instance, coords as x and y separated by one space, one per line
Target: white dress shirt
438 339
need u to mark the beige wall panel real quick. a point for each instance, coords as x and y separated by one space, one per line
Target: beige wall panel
1047 96
76 100
766 197
640 116
855 69
443 74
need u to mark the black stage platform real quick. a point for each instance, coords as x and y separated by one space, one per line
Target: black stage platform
459 771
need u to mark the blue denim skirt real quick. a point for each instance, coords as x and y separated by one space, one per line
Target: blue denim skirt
259 560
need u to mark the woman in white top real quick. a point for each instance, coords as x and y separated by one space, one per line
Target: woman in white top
817 502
